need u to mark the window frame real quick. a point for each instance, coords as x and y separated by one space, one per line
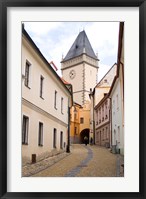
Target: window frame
41 86
61 139
81 120
62 102
27 74
55 100
40 135
54 138
25 134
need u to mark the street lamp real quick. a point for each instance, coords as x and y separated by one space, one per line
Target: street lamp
91 95
75 112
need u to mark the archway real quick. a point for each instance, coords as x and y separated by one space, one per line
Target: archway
84 133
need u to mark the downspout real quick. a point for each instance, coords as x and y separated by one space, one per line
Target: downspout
110 121
93 121
68 139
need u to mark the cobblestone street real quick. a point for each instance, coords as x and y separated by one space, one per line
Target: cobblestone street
83 161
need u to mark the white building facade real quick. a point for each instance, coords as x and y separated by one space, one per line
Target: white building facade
117 118
117 100
45 102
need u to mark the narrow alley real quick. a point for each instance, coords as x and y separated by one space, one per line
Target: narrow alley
82 161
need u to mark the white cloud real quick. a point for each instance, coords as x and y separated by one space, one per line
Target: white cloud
41 28
104 38
54 39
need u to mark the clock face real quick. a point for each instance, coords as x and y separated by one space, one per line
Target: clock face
72 74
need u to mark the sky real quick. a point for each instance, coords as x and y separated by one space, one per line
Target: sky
54 40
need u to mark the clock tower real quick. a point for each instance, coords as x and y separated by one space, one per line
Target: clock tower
80 68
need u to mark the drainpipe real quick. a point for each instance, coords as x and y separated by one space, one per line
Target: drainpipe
91 95
110 115
93 121
68 140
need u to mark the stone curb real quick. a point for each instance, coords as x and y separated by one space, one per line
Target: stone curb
120 169
32 169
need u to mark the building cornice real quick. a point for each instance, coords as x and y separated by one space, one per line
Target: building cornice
82 62
108 122
63 61
41 111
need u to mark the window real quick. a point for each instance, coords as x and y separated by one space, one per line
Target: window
100 114
61 140
55 100
103 113
41 86
25 130
75 113
75 130
75 116
40 141
81 120
62 105
27 71
54 138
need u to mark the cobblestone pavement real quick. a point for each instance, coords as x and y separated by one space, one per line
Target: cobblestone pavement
83 161
31 169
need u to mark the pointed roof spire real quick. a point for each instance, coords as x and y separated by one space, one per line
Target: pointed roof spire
81 45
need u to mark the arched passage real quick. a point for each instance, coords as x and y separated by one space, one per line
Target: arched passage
84 133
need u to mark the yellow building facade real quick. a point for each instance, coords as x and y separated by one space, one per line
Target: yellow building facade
79 122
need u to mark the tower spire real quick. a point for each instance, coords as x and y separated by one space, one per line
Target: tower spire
81 45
